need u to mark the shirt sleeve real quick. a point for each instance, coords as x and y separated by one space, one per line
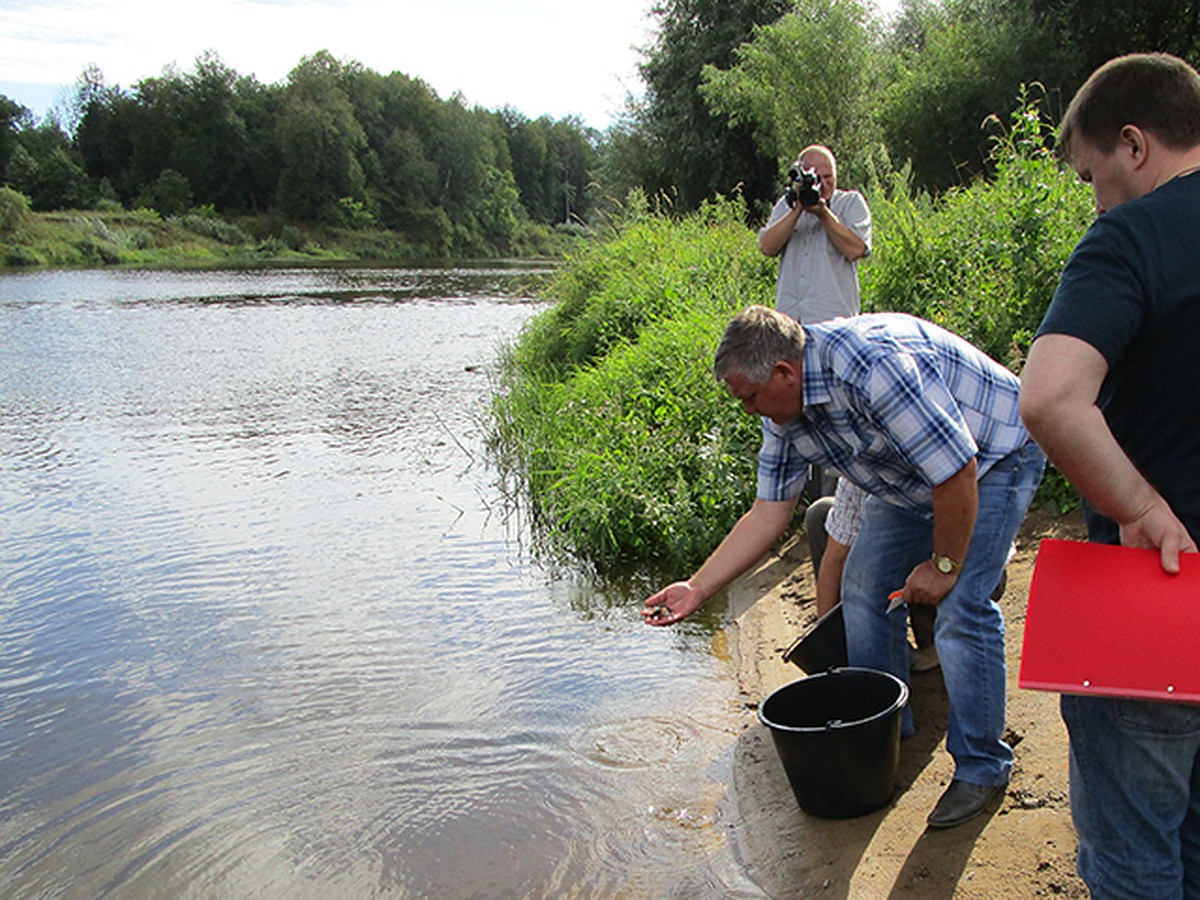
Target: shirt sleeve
845 516
1099 296
782 472
856 216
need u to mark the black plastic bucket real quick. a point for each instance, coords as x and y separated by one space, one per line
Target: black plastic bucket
823 647
838 736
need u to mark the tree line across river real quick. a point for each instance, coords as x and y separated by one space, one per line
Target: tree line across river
731 88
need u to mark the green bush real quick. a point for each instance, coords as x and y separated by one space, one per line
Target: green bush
643 458
607 421
170 193
14 207
211 226
656 268
19 257
984 260
292 237
271 246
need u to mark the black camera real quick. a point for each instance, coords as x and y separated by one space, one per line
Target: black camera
803 185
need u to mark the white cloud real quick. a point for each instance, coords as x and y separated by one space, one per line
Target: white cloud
540 56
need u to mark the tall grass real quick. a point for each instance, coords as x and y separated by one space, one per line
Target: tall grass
607 421
607 424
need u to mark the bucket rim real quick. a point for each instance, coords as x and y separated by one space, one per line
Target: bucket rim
900 701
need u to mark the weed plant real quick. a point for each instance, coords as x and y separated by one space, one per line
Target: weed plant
982 260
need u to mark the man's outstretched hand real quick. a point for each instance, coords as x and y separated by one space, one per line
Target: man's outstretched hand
672 604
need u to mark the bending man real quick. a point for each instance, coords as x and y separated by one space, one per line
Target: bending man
927 425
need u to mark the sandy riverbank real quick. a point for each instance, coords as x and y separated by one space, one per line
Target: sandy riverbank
1025 849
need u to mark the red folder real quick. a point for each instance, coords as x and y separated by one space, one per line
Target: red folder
1108 620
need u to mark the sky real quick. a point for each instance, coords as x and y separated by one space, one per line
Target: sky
542 57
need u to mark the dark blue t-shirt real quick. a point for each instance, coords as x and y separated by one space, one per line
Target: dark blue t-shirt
1131 289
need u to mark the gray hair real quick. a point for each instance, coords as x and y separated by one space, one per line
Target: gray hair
754 341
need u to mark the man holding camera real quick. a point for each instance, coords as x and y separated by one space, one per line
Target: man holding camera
819 243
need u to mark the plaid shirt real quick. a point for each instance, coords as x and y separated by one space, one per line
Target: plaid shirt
897 405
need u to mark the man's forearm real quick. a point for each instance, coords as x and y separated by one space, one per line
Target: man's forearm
849 244
829 579
775 236
749 539
1059 388
1081 446
955 505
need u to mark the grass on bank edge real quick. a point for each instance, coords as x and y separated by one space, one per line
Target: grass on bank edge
141 237
607 425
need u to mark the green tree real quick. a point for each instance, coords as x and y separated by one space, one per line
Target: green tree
625 165
46 169
13 117
104 130
170 193
983 259
953 68
1095 31
319 140
692 153
399 116
808 77
472 158
207 125
213 139
553 163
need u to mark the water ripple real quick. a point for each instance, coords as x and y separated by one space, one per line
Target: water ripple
263 634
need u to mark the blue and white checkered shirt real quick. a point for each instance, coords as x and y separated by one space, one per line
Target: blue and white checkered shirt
897 405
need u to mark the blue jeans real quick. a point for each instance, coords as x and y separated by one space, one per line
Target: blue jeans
1135 796
969 630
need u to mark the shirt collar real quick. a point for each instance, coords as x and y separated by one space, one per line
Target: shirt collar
815 386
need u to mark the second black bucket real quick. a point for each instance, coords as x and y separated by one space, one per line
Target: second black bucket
823 647
838 737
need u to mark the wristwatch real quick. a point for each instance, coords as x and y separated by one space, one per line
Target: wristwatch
945 564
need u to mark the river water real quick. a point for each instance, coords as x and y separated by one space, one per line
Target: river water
267 629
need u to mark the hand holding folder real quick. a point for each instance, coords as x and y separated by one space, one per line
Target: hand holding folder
1108 620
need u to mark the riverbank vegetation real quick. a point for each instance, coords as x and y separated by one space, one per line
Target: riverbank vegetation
608 425
110 235
333 154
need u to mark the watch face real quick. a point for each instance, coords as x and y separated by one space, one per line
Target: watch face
944 565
